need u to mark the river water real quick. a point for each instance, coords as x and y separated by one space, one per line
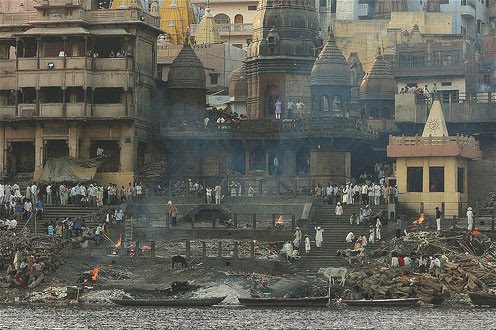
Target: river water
98 317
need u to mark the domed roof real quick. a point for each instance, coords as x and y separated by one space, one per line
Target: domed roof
378 83
330 67
285 28
187 71
238 86
207 31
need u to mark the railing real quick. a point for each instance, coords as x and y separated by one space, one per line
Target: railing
462 108
18 18
262 128
458 140
427 68
76 110
105 16
234 28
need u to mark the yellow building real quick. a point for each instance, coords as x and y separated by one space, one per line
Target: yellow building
432 169
176 16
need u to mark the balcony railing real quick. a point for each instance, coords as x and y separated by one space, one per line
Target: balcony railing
232 28
266 128
104 16
71 63
427 68
480 108
72 110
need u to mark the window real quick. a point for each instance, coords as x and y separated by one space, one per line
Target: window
436 179
333 6
252 7
446 83
322 3
415 179
214 78
460 180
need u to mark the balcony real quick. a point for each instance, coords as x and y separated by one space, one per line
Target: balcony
7 111
72 110
480 109
427 69
467 8
229 29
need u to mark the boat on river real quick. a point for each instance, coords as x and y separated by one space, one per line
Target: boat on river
483 299
188 302
383 302
285 302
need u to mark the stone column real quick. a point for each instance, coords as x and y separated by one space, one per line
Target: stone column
3 148
289 162
128 144
247 161
38 149
72 141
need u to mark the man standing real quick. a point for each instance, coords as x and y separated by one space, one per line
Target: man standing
318 237
49 194
290 107
439 214
172 213
218 193
299 109
34 192
339 211
470 219
278 110
276 165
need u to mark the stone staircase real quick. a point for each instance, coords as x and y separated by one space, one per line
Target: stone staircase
92 216
334 238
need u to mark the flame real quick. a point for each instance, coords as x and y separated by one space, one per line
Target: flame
94 273
119 243
280 220
420 219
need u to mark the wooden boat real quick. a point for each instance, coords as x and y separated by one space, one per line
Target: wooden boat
483 299
285 302
384 302
190 302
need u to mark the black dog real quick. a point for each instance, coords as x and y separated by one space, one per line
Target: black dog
179 260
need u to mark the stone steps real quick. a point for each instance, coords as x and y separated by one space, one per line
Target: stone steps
334 238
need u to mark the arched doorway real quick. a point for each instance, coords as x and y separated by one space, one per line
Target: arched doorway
238 19
222 19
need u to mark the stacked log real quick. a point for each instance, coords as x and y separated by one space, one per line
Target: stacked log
151 173
461 273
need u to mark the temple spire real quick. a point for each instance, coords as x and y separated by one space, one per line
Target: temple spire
435 125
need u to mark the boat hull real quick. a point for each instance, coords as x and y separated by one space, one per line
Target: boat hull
483 299
169 302
384 302
285 302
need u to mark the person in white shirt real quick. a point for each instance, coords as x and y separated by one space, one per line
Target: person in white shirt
49 194
350 237
378 226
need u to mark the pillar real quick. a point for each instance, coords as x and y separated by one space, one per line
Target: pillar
289 162
73 141
247 161
267 161
128 143
38 149
3 148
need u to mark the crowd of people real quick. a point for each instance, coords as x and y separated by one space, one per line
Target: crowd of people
423 94
419 264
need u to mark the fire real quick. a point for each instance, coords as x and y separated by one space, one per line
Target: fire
94 273
280 220
421 219
119 242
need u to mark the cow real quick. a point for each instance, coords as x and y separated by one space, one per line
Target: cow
179 260
352 255
333 272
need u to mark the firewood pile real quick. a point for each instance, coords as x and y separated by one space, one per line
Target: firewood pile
468 264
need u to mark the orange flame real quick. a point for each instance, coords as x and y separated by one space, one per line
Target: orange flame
280 220
119 243
94 273
421 219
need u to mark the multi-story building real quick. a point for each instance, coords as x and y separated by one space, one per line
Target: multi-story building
73 80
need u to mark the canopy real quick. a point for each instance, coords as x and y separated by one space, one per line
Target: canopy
68 169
